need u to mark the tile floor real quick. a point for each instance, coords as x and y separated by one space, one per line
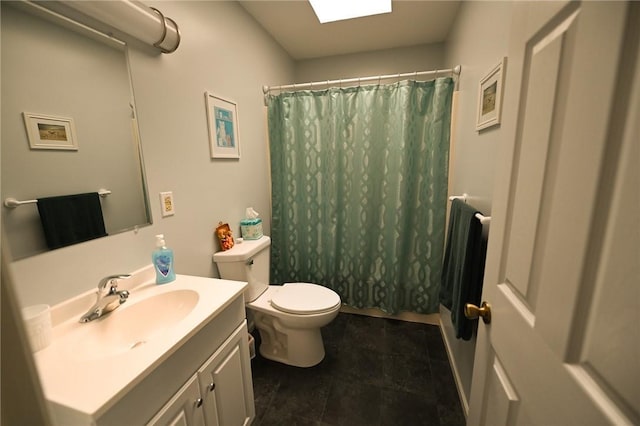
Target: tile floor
376 372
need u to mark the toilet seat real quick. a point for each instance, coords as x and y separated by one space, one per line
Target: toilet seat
304 298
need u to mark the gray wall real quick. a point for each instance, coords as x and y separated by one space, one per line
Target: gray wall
478 41
223 51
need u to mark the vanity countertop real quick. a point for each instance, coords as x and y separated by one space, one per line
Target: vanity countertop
80 376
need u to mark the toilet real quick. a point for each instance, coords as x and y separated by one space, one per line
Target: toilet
289 316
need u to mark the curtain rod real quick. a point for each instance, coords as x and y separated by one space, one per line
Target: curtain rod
455 71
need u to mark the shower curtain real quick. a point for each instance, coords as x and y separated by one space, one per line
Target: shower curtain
359 191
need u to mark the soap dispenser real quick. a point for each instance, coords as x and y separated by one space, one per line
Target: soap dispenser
162 258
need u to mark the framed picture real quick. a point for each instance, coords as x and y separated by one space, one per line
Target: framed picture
222 119
490 97
50 132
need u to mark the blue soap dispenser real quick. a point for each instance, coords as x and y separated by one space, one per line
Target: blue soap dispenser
162 258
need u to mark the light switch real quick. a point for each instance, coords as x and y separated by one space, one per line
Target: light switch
166 204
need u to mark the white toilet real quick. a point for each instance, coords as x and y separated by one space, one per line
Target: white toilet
288 317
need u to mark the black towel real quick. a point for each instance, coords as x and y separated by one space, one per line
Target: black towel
463 267
71 219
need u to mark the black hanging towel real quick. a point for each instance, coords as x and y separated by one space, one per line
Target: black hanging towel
71 219
463 267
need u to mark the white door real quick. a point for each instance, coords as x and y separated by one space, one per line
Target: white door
562 274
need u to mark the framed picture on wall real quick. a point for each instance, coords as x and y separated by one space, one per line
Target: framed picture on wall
50 132
222 120
490 97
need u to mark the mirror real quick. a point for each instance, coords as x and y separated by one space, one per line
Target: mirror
83 85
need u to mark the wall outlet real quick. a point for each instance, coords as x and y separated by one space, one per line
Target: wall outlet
166 204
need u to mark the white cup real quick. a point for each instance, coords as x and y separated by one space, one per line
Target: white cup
37 320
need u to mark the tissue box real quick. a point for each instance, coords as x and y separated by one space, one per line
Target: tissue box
251 228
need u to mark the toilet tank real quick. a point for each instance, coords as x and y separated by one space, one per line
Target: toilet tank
247 261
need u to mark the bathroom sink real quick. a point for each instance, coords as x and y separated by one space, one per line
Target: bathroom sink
132 325
90 367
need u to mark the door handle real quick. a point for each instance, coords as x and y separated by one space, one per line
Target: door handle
471 311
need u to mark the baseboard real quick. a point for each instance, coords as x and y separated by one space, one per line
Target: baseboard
454 369
432 319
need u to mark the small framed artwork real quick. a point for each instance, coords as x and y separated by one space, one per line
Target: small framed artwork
222 120
490 97
50 132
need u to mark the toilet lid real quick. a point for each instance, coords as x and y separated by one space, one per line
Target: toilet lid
304 298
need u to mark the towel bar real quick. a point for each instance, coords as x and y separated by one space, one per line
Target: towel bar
483 219
462 197
12 203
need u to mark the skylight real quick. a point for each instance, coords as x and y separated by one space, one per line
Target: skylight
338 10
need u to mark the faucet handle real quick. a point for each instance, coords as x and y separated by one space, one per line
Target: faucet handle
111 280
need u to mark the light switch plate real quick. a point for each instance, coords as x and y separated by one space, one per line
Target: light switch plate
166 204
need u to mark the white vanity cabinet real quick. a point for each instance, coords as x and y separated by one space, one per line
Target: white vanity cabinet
184 409
176 354
226 385
219 394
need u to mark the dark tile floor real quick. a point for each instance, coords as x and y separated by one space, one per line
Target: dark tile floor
375 372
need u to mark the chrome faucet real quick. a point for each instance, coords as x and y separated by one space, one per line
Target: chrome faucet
108 297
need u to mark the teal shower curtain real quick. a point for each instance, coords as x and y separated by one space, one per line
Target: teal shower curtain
359 191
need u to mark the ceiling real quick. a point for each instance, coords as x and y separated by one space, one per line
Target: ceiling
294 25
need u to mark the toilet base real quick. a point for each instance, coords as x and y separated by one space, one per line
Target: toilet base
296 347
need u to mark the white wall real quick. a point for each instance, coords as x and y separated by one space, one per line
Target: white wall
223 51
478 41
381 62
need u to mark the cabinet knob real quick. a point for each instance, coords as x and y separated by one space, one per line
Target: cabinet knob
212 386
199 402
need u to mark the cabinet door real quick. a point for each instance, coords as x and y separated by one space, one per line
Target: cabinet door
226 385
184 409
